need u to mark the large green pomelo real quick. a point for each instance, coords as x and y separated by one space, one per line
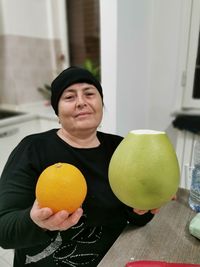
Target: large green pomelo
144 171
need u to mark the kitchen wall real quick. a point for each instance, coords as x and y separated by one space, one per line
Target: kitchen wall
25 65
140 57
141 70
30 49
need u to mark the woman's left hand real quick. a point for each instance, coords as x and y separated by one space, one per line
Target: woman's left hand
141 212
153 211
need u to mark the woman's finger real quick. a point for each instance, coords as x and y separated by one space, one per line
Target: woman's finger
154 211
72 220
140 212
174 197
37 214
53 222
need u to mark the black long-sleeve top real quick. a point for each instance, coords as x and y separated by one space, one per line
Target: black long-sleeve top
104 215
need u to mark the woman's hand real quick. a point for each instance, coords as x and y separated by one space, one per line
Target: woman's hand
141 212
61 220
153 211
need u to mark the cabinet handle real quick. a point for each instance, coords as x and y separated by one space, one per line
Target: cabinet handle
9 132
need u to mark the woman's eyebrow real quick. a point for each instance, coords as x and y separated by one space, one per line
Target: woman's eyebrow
72 90
89 87
69 90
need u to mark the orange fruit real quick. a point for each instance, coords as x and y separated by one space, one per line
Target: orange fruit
61 186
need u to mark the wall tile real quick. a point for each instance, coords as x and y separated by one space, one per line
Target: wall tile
25 64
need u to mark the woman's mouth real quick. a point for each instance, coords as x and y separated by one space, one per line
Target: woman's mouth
82 114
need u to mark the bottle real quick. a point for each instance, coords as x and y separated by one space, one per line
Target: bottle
194 197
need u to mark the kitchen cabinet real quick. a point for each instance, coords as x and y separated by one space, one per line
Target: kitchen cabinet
46 124
11 135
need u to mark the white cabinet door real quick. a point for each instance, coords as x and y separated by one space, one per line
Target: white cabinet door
47 124
10 136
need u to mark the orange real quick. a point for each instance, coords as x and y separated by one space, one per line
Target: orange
61 186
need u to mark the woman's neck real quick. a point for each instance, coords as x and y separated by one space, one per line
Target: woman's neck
83 140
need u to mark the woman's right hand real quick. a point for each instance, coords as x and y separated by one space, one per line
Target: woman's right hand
61 220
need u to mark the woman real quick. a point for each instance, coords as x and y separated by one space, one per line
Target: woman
39 237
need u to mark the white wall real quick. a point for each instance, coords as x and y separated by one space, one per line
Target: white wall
140 43
133 60
25 18
109 65
34 37
163 84
33 18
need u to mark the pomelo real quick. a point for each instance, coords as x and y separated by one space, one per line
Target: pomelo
144 170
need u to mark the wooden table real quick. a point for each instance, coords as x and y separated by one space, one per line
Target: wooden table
165 238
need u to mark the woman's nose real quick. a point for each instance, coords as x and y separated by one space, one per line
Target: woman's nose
80 101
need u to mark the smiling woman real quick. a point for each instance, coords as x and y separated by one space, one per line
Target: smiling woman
83 237
80 106
80 110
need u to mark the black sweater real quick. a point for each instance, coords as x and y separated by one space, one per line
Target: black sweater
104 215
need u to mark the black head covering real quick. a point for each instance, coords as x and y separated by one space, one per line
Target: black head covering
68 77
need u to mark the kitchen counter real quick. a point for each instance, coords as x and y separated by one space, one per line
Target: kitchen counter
165 238
17 119
31 112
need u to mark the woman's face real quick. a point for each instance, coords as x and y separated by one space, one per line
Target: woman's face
80 107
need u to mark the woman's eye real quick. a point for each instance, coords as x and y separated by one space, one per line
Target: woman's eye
69 97
89 93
